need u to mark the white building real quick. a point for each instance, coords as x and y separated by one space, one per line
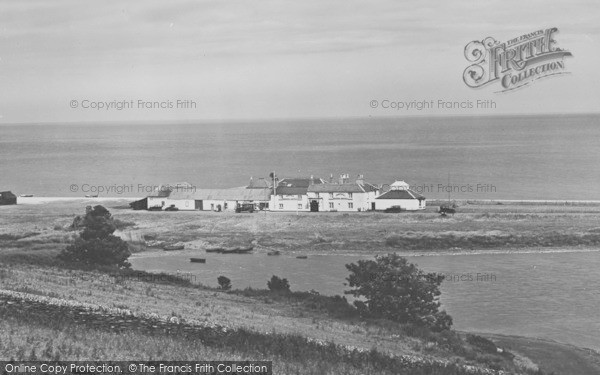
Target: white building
343 196
218 199
291 194
400 196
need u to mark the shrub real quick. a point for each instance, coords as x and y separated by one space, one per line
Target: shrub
224 282
278 285
481 343
397 290
96 245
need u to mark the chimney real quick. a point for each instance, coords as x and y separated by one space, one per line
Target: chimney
344 178
312 180
360 180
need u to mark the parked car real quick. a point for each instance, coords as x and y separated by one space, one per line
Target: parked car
172 208
244 207
445 210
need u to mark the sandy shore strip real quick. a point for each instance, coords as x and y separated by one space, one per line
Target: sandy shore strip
157 252
41 200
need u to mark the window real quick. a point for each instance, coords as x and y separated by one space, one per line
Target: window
299 206
350 205
281 206
299 197
330 204
350 196
330 195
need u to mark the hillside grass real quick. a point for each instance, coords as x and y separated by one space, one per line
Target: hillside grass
301 314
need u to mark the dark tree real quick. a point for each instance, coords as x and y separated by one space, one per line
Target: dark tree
277 284
96 245
224 282
395 289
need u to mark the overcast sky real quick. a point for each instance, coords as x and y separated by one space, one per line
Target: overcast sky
277 58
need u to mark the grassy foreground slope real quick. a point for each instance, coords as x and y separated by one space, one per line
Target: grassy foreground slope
254 313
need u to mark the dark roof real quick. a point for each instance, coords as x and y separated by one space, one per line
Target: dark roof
284 190
161 193
350 187
299 182
401 194
233 194
7 194
142 204
259 183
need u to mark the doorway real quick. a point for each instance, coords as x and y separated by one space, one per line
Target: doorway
314 206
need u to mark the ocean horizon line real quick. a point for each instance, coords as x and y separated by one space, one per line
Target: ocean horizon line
221 121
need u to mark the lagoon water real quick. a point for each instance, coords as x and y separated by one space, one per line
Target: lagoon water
548 295
527 157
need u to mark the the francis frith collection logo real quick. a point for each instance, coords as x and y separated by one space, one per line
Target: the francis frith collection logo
515 63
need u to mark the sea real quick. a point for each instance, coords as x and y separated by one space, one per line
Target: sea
501 157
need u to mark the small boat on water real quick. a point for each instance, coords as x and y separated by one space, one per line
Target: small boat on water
214 250
26 195
173 247
274 252
229 250
197 260
238 250
302 257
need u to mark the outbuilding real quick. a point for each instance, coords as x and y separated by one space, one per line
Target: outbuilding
7 197
218 199
402 197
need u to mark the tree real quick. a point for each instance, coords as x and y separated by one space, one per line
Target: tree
96 245
395 289
224 282
277 284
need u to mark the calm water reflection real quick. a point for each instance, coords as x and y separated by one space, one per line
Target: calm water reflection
549 295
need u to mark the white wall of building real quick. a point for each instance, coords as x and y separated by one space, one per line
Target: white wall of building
289 203
190 204
157 201
406 204
343 202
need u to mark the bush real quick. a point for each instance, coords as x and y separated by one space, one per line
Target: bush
278 285
397 290
96 245
481 343
224 282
